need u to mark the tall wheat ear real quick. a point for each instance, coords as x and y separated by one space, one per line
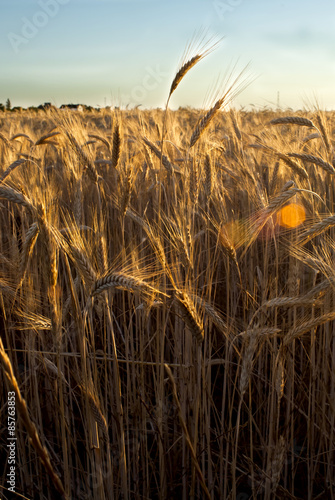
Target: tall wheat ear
196 50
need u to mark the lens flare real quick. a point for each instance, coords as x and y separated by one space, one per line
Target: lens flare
291 215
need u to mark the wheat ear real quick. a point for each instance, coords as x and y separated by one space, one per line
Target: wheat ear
290 301
84 159
11 167
44 138
125 282
126 192
307 326
6 142
236 128
293 165
27 249
203 49
247 361
205 121
294 120
194 182
324 133
84 266
182 72
279 376
318 228
102 253
24 136
166 163
208 178
96 409
190 315
275 465
101 139
116 152
14 196
213 315
316 160
309 137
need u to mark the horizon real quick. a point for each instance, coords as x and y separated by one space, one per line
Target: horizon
225 109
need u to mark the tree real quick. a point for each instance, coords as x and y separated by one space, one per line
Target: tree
8 105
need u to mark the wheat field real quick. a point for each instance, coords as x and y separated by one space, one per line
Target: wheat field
166 303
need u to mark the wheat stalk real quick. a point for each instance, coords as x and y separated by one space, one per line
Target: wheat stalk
186 433
28 423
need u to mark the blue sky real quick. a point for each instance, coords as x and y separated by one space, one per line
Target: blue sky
127 51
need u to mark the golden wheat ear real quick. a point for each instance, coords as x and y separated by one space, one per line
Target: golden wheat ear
197 49
227 91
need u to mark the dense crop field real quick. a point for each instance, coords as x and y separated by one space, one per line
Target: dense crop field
167 310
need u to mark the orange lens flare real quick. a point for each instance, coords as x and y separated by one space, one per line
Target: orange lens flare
291 215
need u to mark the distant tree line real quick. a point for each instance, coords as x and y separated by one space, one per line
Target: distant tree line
48 105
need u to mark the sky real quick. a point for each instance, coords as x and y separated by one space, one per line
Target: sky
126 52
